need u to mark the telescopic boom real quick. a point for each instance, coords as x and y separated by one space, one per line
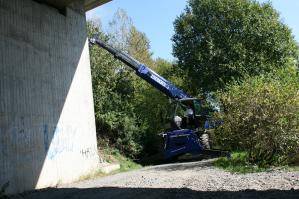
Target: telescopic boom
144 72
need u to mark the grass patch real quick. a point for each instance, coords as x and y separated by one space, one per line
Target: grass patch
290 168
112 155
293 168
238 163
126 164
93 175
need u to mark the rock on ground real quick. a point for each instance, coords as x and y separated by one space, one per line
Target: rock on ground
180 180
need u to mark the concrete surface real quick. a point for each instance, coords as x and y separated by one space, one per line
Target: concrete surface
180 180
47 124
60 4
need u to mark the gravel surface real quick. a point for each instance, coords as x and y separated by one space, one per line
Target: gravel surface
181 180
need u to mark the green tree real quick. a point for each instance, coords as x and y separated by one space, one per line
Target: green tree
113 95
139 47
297 60
119 30
218 41
154 108
121 98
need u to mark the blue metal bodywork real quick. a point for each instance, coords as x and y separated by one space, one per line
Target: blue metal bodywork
179 142
161 83
144 72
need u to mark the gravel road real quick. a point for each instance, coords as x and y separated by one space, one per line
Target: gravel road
180 180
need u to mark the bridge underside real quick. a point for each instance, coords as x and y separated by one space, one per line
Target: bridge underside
60 4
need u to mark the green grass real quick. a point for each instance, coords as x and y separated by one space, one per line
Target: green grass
126 164
293 168
238 163
290 168
96 174
112 155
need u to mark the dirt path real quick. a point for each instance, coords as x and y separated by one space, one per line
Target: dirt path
181 180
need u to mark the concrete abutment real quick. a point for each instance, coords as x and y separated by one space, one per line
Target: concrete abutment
47 124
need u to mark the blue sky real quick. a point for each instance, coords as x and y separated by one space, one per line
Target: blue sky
155 18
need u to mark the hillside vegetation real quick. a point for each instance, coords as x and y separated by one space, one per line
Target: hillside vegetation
236 51
129 112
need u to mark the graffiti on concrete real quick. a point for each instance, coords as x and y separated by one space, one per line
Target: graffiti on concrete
66 139
57 139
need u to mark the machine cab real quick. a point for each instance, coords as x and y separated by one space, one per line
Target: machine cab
190 114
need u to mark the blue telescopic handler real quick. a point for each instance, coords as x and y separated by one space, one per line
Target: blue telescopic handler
190 121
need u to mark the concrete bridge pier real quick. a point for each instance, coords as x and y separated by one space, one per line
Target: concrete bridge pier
47 124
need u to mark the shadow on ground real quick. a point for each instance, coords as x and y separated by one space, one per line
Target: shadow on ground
151 193
158 159
182 166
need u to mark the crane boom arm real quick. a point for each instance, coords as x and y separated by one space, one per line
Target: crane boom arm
144 72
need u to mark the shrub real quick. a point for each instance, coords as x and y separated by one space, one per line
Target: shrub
237 163
114 91
261 116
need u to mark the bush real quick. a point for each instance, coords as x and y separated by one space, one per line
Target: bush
114 91
261 116
237 163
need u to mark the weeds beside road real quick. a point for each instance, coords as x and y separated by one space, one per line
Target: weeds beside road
238 163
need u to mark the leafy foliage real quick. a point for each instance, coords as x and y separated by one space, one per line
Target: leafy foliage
119 30
113 155
155 109
113 92
219 41
238 163
239 46
139 46
129 112
261 116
